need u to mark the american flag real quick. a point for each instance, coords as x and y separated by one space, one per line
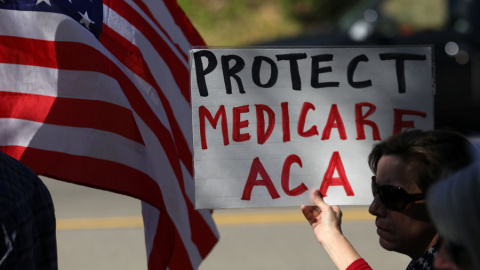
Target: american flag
97 93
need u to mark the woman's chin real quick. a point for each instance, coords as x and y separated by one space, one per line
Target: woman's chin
387 245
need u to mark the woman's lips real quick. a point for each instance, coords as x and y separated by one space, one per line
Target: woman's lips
381 230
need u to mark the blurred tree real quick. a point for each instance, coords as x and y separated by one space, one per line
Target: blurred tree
312 13
243 22
405 16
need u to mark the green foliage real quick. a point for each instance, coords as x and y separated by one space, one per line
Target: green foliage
315 11
404 15
243 22
238 22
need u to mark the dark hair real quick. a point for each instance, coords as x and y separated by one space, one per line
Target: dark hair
430 154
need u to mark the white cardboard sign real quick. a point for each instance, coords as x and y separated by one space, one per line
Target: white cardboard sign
269 124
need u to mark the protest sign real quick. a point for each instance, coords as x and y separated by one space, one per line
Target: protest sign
269 124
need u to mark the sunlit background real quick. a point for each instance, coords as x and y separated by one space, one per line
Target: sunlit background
450 26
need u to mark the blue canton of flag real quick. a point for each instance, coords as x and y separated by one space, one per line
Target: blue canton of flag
88 13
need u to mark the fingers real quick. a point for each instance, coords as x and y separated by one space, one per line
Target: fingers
337 209
310 212
307 212
323 206
338 214
318 199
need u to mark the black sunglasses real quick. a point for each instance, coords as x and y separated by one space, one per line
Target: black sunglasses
394 198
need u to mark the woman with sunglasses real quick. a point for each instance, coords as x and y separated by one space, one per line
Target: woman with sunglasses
454 206
404 167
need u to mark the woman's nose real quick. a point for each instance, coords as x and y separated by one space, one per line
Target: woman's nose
376 206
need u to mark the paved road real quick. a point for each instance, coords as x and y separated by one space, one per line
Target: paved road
102 230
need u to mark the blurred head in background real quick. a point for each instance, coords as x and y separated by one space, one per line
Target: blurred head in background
454 207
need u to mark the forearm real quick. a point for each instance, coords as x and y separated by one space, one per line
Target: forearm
326 221
340 251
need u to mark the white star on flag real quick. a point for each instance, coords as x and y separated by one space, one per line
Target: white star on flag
85 19
41 1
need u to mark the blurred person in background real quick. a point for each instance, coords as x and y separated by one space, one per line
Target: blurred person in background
404 166
454 206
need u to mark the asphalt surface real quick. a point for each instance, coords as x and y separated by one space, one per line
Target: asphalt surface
102 230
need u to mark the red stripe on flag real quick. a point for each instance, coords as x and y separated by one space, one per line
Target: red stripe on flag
163 246
149 14
17 50
65 111
207 238
180 260
133 59
179 71
128 53
184 23
156 260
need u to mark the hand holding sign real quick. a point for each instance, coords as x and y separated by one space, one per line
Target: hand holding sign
325 219
326 224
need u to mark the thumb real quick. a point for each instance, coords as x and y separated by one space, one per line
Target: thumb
318 199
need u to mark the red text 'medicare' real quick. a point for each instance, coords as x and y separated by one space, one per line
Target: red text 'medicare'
265 126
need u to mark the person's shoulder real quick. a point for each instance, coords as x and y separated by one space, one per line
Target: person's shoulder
426 261
15 172
18 183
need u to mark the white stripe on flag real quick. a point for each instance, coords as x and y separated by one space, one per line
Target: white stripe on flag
89 142
72 84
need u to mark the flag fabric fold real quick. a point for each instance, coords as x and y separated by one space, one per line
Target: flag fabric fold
96 93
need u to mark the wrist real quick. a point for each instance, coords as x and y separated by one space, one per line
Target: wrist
331 237
340 250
